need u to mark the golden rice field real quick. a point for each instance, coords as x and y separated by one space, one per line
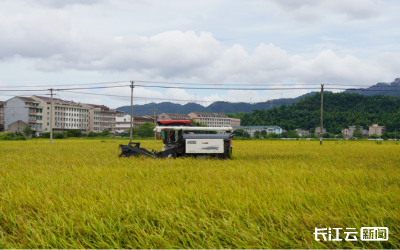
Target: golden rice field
79 194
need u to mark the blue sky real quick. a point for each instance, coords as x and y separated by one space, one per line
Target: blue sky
276 42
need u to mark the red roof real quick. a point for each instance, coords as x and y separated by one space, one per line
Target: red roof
176 121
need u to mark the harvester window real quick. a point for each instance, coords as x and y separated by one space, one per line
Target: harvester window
171 136
163 135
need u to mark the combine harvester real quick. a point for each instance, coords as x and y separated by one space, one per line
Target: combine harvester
180 140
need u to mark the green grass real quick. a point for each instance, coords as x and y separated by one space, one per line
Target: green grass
79 194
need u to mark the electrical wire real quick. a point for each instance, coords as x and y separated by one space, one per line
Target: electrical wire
106 87
169 87
269 102
261 84
193 83
61 85
166 99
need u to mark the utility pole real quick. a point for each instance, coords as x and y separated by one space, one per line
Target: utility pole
51 116
130 137
394 134
155 124
322 111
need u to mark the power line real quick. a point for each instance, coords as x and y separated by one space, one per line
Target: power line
262 84
61 85
169 87
30 90
194 83
269 102
173 87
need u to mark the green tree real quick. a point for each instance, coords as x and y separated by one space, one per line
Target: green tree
46 135
374 136
273 135
92 134
146 130
59 136
74 133
358 134
105 132
263 133
341 110
292 134
28 131
326 135
241 132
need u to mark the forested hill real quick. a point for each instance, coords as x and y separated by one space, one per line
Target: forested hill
216 107
340 111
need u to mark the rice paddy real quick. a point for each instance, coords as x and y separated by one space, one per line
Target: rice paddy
272 194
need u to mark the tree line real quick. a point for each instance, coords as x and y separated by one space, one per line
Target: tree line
341 110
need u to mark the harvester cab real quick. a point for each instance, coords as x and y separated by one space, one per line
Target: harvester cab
181 139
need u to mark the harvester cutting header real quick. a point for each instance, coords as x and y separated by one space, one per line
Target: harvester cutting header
181 140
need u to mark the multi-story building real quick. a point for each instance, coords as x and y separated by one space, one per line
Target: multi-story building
123 123
235 122
252 129
376 130
169 117
23 110
2 113
66 115
101 118
211 119
119 113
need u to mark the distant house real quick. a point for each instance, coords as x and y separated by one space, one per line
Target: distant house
375 129
302 132
252 129
17 126
123 123
318 130
346 133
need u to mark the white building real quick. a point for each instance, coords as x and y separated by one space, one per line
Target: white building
252 129
122 123
66 115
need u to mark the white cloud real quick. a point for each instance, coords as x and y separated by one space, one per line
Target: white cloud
55 43
171 55
61 3
315 10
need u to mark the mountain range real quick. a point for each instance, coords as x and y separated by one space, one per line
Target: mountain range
228 107
389 89
216 107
